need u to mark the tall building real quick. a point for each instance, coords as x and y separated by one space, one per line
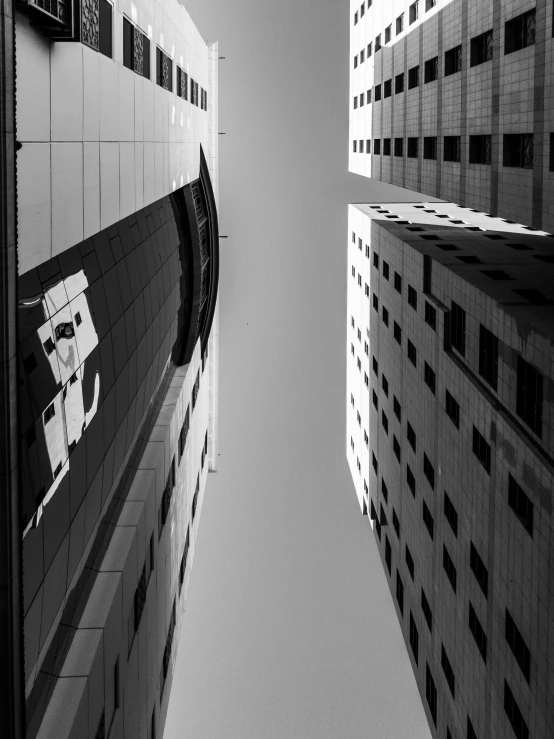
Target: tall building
116 342
450 443
452 98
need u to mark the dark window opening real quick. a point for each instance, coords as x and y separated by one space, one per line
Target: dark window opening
488 356
519 32
453 61
429 147
431 69
452 148
518 150
529 395
479 570
480 149
481 49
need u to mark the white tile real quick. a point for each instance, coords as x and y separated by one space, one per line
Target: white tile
139 176
159 171
140 83
34 209
149 173
126 104
33 86
91 188
109 184
159 105
126 179
109 99
67 196
91 101
66 81
148 109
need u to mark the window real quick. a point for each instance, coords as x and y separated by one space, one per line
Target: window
375 367
387 88
428 520
431 694
128 43
488 356
375 302
400 592
396 448
413 77
452 148
399 83
385 270
410 433
458 328
151 556
378 43
388 554
397 333
529 395
355 96
400 24
514 714
450 514
354 146
410 562
520 32
386 147
385 316
429 377
368 151
362 8
478 633
49 413
374 463
115 688
396 408
453 61
410 479
385 422
377 146
361 100
413 12
362 56
518 646
430 4
388 31
361 146
355 61
414 638
470 730
448 671
398 147
412 297
481 49
426 610
429 147
369 47
431 69
480 149
482 450
164 70
413 142
430 316
429 471
396 523
105 29
385 384
355 18
479 570
384 490
449 568
521 505
412 353
397 282
551 167
518 150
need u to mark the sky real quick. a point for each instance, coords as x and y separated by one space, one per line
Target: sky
290 631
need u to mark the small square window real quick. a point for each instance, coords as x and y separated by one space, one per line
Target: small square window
397 409
400 24
520 32
377 147
398 147
429 377
521 505
518 150
385 385
386 147
430 316
399 83
412 353
413 147
397 282
453 61
452 148
397 334
431 69
413 77
481 49
388 31
480 149
450 514
412 297
410 433
387 91
429 147
452 410
413 12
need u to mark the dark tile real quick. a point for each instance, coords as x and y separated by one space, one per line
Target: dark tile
106 362
113 295
78 475
119 345
33 563
103 251
56 519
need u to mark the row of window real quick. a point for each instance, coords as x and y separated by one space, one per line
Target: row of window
517 149
519 33
413 15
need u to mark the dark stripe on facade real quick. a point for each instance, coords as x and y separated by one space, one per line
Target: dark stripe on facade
496 141
464 149
440 147
420 110
539 149
405 111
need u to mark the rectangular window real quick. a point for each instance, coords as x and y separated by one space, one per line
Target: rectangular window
458 328
398 147
396 448
385 316
481 49
361 146
376 260
362 56
400 24
452 148
453 61
529 395
377 43
388 555
448 671
478 633
361 100
354 146
430 316
385 422
355 18
449 568
374 463
429 471
410 479
413 142
414 638
182 84
105 28
480 149
479 570
430 4
386 147
429 147
377 146
412 353
482 450
518 150
450 514
388 31
368 150
521 505
414 12
164 70
426 610
413 77
396 523
396 408
429 377
128 43
410 433
520 32
514 714
387 88
375 367
384 490
410 562
355 61
355 96
431 694
400 592
431 69
375 400
470 730
518 646
399 83
397 333
412 297
428 520
488 356
385 384
375 303
552 151
369 52
385 270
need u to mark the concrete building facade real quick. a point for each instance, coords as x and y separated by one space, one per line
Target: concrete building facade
450 443
453 98
117 347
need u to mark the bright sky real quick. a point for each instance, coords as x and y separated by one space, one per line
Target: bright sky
290 631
